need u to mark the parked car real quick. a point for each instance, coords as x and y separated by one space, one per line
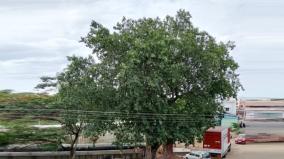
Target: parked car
244 139
197 155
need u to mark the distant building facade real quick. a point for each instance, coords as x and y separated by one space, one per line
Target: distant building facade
262 109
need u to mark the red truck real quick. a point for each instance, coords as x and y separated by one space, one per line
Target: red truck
217 142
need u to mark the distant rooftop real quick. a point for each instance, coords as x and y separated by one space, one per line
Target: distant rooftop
262 103
259 98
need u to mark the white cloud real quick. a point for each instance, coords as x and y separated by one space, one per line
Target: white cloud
37 35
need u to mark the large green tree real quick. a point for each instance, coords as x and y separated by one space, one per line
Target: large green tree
169 77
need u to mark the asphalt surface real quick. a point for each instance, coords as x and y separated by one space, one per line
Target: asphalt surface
260 150
257 151
255 127
272 150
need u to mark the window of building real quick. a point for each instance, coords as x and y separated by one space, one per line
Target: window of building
227 109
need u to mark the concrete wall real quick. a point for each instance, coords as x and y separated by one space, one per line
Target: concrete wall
227 122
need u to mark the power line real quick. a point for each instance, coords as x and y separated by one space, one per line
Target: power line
106 118
109 115
123 120
107 112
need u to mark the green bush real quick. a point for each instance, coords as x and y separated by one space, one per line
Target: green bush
4 139
236 128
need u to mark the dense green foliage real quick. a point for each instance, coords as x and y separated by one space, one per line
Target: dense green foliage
82 100
10 100
27 105
21 132
81 97
20 111
168 77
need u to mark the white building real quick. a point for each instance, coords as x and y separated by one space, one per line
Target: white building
230 106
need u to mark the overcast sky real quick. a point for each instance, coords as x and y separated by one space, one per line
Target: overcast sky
37 35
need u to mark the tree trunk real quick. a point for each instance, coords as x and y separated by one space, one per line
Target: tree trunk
148 154
154 149
154 153
73 147
72 151
168 151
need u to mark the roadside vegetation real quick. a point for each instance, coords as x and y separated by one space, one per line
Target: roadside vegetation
236 128
17 120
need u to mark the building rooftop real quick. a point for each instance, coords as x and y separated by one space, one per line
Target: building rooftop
266 103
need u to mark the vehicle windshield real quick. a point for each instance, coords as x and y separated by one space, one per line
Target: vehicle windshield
242 135
206 155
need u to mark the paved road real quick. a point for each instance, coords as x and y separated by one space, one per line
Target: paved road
253 127
257 151
260 150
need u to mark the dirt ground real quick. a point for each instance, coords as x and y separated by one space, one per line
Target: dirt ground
257 151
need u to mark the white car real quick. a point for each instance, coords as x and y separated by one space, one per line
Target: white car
197 155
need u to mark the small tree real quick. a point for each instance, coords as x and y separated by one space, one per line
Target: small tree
78 99
169 77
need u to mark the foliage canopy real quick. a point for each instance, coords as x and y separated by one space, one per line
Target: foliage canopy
168 76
